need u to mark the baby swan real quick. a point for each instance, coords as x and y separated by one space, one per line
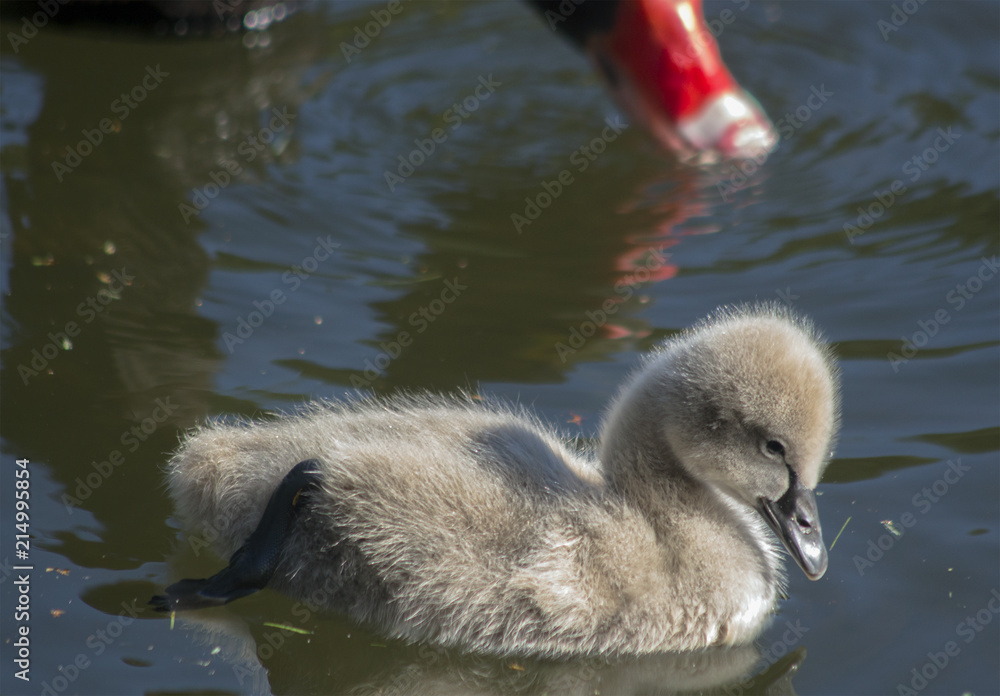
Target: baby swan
473 526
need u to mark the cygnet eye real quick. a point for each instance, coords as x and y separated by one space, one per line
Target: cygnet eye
774 447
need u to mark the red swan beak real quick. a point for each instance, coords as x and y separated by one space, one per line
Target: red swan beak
663 64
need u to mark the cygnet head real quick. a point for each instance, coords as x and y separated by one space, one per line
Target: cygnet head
751 408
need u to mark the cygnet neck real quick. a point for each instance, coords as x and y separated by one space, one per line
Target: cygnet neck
634 451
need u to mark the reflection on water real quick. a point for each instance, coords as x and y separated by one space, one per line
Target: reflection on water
118 299
259 658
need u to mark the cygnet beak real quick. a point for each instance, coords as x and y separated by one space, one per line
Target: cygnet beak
795 519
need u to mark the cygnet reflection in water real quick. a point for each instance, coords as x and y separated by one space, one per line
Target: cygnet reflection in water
475 526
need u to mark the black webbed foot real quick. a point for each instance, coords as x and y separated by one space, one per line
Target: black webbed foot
253 564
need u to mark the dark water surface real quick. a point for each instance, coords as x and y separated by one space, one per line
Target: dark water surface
159 298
